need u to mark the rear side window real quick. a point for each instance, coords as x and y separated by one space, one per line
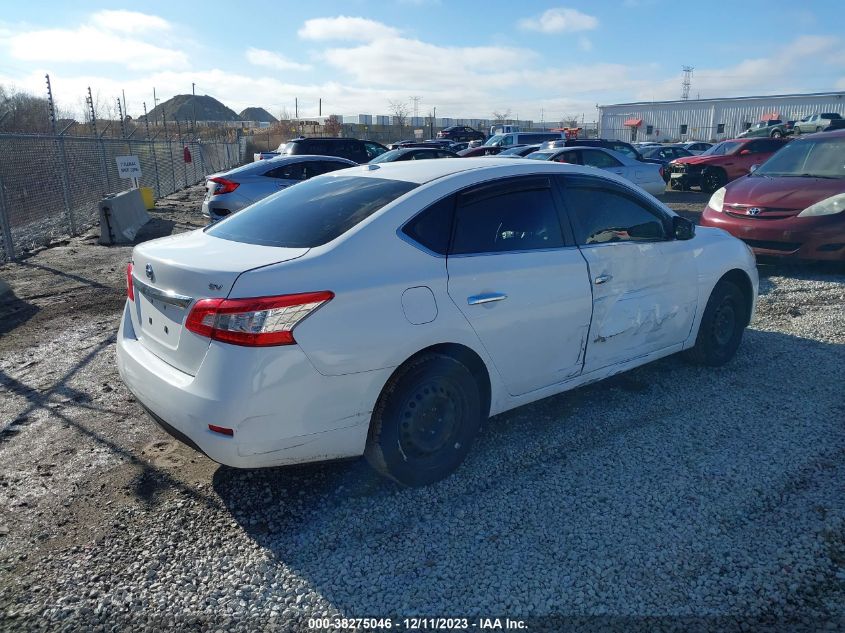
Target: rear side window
291 171
596 158
516 217
603 214
432 228
311 213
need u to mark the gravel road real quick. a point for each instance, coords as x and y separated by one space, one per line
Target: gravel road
714 498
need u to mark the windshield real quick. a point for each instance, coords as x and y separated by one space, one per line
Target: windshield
388 157
310 213
819 158
540 155
497 139
720 149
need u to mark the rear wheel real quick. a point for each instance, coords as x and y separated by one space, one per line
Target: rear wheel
818 129
425 421
713 179
722 324
777 134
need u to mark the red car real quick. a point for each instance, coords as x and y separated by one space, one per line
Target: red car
722 163
791 206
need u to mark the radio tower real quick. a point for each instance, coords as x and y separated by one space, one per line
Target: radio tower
687 81
416 102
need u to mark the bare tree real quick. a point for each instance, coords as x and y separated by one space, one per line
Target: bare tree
569 120
501 117
400 111
23 112
333 125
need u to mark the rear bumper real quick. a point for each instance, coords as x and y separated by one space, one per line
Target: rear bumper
281 409
820 238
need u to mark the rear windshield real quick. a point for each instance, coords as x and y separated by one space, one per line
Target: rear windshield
310 213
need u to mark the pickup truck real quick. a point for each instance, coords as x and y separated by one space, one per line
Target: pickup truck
773 128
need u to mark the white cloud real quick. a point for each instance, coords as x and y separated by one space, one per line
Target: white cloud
105 39
559 20
269 59
129 21
346 28
585 43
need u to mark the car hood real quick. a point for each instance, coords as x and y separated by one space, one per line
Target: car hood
781 193
698 160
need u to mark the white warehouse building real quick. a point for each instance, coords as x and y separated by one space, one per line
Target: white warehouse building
708 119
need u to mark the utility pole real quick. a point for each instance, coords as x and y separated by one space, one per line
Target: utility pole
125 112
296 107
193 106
155 101
685 86
320 107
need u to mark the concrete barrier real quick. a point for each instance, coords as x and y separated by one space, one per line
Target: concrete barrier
121 216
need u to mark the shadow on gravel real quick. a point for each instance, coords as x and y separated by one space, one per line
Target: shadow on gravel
13 311
664 476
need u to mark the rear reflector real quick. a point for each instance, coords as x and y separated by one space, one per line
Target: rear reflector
130 287
221 429
256 322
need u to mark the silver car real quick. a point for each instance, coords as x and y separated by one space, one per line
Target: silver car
814 122
231 191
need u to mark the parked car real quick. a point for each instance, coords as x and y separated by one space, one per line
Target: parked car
793 205
815 122
521 138
481 150
399 144
321 322
457 147
231 191
722 163
403 144
612 144
649 176
665 154
773 128
696 147
413 153
349 148
519 151
461 133
835 124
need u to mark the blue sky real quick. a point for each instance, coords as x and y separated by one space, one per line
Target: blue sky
467 59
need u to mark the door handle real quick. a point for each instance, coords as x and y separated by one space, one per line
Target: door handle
602 279
487 297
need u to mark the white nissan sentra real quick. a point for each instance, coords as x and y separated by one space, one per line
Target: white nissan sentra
388 310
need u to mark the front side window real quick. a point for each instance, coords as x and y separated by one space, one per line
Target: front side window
603 215
373 149
598 159
625 149
312 213
517 216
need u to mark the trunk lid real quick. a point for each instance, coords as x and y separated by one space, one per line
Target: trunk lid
172 273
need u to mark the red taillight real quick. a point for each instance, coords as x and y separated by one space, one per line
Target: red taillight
221 429
130 286
255 322
661 172
223 186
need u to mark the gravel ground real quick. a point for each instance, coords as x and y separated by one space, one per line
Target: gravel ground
667 496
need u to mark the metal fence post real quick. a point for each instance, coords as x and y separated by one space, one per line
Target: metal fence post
63 170
8 245
104 166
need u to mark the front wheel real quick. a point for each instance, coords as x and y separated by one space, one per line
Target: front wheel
777 134
424 421
722 325
796 130
713 179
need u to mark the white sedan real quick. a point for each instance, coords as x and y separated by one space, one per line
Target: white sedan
388 310
647 175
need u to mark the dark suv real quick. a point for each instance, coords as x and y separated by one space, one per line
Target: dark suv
350 148
460 133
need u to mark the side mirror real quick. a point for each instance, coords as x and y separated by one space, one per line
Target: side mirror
744 152
682 228
753 168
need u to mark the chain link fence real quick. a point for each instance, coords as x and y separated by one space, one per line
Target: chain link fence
50 185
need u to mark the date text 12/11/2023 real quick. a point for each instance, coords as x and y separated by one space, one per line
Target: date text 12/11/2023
417 624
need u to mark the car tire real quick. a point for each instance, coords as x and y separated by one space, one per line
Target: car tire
425 421
722 325
777 134
818 129
713 179
796 130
